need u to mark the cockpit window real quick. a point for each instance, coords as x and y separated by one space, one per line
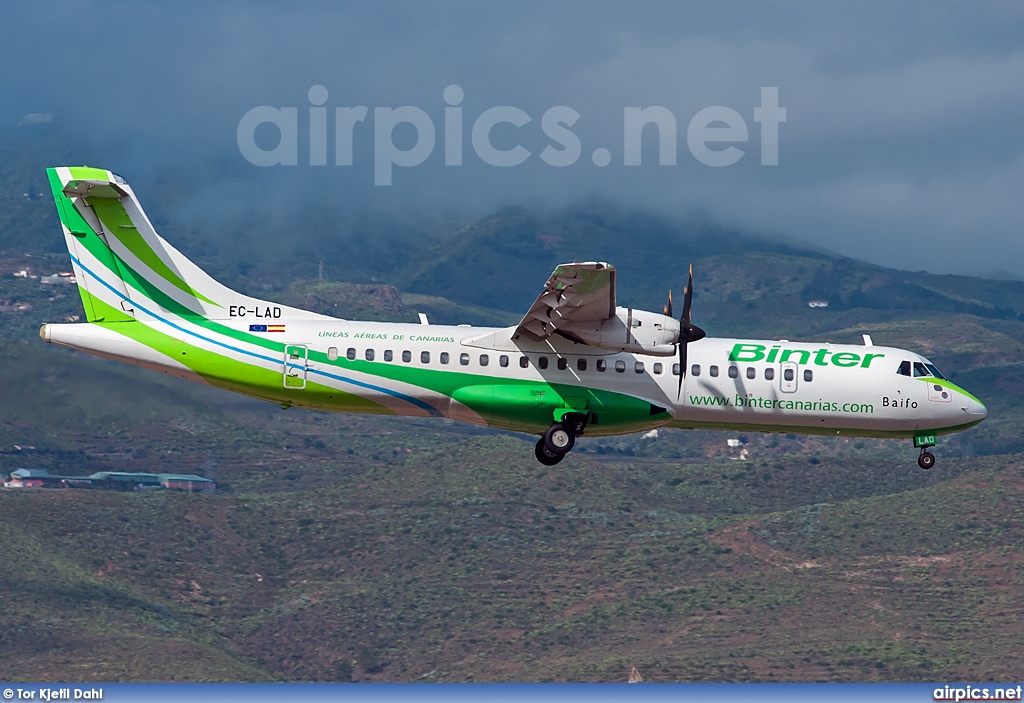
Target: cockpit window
935 371
920 370
904 369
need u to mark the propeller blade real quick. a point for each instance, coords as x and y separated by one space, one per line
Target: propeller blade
682 368
668 308
684 319
688 332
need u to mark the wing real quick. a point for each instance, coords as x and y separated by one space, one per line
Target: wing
576 292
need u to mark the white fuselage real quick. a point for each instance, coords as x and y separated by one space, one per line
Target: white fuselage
765 385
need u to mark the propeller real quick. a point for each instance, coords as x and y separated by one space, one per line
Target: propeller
668 308
688 332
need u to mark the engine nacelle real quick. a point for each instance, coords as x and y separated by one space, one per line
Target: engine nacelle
635 331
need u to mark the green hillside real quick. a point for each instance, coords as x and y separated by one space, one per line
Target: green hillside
434 555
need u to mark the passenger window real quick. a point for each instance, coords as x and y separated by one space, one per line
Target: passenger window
332 353
444 357
751 372
581 364
638 367
808 375
542 362
919 369
407 356
769 374
675 369
464 359
602 365
369 354
562 364
713 371
734 372
350 353
620 366
904 369
388 355
695 370
425 357
788 375
484 360
503 360
524 362
658 368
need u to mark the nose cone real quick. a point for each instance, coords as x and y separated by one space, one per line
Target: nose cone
977 409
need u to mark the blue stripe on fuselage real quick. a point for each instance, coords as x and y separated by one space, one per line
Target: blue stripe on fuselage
380 389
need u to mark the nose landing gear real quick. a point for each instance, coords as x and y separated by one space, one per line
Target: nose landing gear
926 460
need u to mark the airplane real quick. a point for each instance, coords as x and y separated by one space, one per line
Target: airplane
576 364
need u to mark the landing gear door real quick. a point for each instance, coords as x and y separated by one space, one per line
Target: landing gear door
296 364
788 377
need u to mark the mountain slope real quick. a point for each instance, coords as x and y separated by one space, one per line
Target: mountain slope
741 281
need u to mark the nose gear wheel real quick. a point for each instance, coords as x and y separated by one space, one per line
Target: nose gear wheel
926 460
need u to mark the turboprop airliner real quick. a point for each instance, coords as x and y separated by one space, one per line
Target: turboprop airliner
576 364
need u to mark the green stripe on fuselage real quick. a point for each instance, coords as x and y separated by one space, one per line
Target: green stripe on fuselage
234 375
496 399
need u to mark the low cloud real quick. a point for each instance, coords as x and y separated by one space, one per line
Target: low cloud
36 118
901 142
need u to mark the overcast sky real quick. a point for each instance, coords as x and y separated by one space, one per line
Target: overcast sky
903 142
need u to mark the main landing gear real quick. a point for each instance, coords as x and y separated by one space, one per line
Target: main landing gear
560 438
545 455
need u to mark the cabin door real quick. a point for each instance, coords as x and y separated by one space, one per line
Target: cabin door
296 365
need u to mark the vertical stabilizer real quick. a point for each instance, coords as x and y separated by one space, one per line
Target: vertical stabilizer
125 270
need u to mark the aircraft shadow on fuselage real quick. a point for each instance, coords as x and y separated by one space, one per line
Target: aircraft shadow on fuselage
741 392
